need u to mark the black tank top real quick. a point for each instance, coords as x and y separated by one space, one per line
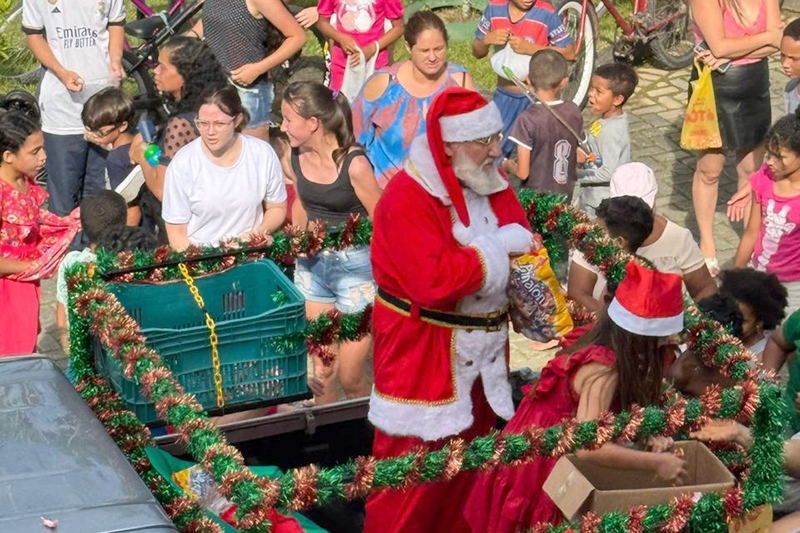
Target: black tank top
234 35
331 203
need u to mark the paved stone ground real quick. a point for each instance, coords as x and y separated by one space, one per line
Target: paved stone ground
655 114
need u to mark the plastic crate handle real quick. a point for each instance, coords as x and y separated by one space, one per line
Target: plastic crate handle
212 332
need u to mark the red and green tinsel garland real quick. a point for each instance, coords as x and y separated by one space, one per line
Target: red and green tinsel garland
283 247
754 399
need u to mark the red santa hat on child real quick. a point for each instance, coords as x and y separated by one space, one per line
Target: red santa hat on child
458 115
648 302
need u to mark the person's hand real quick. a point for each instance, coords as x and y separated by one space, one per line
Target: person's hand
316 386
354 59
658 444
497 37
72 81
523 46
739 204
516 239
116 71
775 35
349 45
707 58
671 469
723 431
246 74
509 166
307 17
136 151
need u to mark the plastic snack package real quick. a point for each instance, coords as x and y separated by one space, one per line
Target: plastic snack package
200 485
538 306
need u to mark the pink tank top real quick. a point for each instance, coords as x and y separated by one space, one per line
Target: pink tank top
733 29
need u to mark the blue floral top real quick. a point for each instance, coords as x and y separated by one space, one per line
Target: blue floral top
386 126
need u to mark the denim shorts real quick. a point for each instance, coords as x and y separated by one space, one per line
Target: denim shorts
341 278
257 99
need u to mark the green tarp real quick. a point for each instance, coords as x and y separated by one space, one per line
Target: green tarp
166 464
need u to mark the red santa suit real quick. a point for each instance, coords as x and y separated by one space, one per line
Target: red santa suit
438 253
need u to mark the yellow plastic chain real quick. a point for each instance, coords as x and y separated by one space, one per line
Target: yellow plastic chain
212 333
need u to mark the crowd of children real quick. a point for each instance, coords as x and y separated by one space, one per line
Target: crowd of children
329 177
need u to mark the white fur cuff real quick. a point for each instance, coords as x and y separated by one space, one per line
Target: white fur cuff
495 263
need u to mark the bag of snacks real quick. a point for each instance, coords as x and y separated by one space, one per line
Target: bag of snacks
538 306
199 485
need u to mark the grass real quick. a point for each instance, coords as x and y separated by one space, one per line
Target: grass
460 50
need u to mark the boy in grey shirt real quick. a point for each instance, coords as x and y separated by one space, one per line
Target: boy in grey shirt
790 61
608 137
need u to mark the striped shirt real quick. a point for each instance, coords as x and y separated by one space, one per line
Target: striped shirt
541 24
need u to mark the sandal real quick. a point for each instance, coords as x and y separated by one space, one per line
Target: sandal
713 266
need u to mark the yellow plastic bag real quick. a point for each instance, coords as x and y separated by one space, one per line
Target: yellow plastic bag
701 125
538 307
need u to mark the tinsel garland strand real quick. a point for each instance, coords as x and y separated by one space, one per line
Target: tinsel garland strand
299 488
283 247
126 429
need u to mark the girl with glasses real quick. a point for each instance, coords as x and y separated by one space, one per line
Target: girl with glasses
224 184
186 71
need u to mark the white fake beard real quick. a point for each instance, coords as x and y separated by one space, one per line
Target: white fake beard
481 179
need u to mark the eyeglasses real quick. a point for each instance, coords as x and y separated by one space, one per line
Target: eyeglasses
491 139
205 125
101 132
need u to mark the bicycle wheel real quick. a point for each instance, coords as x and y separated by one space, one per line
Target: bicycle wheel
17 63
671 46
580 71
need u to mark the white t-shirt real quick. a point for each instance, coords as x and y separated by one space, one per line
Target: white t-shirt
77 32
218 202
674 252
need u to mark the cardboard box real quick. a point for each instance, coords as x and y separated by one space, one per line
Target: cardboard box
577 485
758 521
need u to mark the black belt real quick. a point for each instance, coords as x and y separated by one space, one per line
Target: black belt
489 322
600 184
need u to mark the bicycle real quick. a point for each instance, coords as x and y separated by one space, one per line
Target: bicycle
661 27
156 30
18 64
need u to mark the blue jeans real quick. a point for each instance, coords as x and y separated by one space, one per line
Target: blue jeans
75 168
342 278
257 99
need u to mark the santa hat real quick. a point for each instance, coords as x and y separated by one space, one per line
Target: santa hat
648 302
458 115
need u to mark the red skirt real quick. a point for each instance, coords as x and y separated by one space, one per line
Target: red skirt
19 316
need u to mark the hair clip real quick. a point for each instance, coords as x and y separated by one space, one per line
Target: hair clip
335 94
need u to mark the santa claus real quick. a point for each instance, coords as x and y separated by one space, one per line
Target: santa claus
444 229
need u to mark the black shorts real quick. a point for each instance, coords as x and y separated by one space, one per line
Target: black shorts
743 104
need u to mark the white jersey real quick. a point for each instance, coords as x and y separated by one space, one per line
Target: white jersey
77 32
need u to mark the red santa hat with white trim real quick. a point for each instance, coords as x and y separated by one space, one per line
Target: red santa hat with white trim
648 302
458 115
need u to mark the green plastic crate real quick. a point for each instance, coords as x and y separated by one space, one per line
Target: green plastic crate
241 301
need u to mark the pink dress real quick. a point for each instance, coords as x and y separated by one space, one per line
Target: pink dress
363 20
27 233
511 499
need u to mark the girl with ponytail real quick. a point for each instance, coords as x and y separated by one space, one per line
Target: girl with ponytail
334 180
